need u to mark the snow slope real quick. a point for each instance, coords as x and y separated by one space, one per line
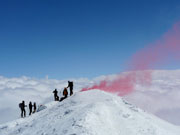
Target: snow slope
90 113
165 87
14 90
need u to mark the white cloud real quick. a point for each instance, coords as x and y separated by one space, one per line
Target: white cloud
14 90
161 98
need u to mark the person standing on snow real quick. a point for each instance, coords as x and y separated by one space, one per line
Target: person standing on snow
55 94
70 86
34 107
30 108
22 107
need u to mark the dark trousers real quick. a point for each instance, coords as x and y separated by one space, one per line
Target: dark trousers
30 111
71 91
23 111
55 97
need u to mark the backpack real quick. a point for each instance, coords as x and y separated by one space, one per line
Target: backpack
20 105
65 92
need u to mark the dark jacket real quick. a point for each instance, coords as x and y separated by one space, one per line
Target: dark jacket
70 84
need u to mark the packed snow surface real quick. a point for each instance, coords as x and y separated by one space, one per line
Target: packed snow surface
161 98
90 113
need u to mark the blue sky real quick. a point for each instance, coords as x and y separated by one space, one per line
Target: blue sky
78 38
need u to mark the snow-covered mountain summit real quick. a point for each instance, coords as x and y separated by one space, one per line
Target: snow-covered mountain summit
161 98
90 113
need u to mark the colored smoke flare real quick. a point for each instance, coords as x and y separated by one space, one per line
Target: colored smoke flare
157 53
123 84
147 58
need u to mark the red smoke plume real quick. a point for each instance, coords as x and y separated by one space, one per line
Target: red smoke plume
158 52
121 85
147 58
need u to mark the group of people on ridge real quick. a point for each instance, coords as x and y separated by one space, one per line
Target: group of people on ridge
32 108
65 92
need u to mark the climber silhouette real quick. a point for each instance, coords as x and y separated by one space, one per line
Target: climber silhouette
34 106
70 86
65 94
30 108
55 95
22 107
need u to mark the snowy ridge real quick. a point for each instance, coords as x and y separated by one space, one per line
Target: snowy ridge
165 87
90 113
